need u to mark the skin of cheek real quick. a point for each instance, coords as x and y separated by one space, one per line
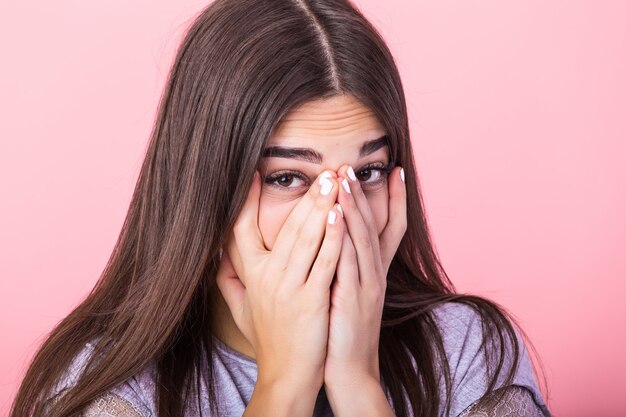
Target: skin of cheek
273 211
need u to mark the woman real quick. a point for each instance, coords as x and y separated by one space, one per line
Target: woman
276 257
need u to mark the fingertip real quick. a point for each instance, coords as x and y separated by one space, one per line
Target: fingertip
332 217
335 219
397 172
339 209
398 186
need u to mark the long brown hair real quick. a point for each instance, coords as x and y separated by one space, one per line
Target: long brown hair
242 65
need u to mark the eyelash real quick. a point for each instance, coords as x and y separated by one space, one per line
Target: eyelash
384 171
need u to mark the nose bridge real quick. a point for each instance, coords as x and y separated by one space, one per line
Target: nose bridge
335 162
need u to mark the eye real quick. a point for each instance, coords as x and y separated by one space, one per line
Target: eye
373 174
284 179
366 175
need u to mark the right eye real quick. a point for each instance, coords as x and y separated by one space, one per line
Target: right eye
283 180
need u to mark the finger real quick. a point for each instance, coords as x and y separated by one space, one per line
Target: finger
325 265
245 242
362 204
347 266
290 230
307 243
246 228
367 264
230 285
393 232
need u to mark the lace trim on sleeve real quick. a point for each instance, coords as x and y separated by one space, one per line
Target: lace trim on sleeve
516 401
107 405
111 405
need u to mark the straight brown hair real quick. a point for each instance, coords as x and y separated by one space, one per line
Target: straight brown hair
242 65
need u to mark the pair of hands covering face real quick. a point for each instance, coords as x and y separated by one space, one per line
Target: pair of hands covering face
305 327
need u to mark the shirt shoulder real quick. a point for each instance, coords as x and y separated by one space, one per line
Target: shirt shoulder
461 328
131 398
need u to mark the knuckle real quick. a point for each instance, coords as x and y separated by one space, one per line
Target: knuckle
324 262
365 242
239 239
372 230
290 226
238 227
307 239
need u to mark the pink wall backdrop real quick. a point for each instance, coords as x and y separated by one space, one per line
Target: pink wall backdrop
518 118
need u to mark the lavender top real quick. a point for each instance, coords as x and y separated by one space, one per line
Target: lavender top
236 375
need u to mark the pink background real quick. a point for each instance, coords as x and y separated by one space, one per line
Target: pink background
518 117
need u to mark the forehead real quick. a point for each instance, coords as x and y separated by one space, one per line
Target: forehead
328 122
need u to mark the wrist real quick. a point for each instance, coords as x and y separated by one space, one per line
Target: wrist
350 378
290 382
351 384
282 398
373 400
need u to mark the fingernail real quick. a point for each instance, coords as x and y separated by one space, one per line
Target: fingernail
324 175
351 173
326 187
346 186
402 174
331 217
340 209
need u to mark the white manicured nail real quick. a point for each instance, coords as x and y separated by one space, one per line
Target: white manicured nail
351 173
346 186
326 187
402 174
324 175
331 217
339 209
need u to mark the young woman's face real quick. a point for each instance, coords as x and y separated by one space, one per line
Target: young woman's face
336 129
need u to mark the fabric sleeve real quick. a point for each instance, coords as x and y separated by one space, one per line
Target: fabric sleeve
462 334
515 401
127 399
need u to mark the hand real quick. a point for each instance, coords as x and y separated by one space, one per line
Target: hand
358 293
278 305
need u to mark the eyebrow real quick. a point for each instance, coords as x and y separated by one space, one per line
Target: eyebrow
311 155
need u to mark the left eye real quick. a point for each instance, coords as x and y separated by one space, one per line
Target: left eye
367 174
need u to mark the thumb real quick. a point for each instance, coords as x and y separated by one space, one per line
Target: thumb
230 285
